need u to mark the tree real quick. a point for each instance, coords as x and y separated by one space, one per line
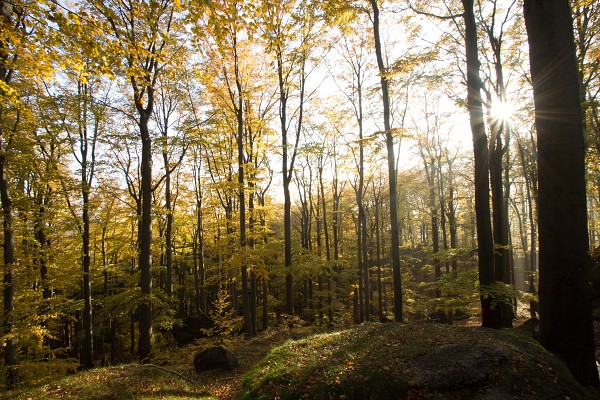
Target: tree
499 126
290 29
353 53
565 306
141 33
389 141
485 242
21 46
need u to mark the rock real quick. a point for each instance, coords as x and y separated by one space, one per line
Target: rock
215 357
455 365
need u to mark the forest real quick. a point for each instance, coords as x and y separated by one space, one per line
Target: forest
172 170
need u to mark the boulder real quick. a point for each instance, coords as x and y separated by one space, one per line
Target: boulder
215 357
455 365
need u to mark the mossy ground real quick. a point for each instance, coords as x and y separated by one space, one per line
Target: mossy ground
374 361
370 361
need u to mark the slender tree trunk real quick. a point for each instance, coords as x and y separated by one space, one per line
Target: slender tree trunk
485 243
199 271
242 213
252 245
336 227
389 140
378 251
326 234
500 222
169 227
360 263
265 303
435 232
565 305
88 344
533 309
287 202
88 359
362 223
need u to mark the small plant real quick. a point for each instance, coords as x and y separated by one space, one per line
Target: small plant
226 323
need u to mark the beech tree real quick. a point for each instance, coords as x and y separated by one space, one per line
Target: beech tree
142 39
290 30
354 55
565 306
392 173
24 56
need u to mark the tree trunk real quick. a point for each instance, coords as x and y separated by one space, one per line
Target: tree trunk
199 271
242 213
88 344
378 254
435 231
88 347
360 263
389 141
565 306
500 222
145 238
10 346
265 303
485 243
169 227
326 234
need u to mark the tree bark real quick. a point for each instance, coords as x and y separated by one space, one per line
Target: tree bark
485 243
10 346
169 212
389 141
88 343
145 238
565 306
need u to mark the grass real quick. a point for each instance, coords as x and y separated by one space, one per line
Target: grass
176 380
131 381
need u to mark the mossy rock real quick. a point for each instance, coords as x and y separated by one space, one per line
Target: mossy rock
397 361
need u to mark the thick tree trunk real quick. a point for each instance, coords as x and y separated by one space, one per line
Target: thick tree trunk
565 307
145 238
10 346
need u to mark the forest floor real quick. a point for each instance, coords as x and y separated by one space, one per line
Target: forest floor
301 368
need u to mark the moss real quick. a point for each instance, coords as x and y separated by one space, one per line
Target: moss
374 361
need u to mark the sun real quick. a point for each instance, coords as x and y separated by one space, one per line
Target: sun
503 111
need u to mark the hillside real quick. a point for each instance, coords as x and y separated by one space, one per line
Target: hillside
370 361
